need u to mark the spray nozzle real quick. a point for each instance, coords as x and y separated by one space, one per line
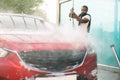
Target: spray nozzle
72 10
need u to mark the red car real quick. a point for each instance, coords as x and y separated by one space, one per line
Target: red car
29 57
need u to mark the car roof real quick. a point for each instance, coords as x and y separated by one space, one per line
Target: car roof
23 21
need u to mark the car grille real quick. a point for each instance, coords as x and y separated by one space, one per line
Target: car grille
53 60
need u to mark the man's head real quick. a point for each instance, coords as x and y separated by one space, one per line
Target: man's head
84 9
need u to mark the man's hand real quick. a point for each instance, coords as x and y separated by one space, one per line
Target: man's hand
73 15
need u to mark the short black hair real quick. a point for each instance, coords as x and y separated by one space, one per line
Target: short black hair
85 7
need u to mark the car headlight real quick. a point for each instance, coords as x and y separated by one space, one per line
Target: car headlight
90 51
3 52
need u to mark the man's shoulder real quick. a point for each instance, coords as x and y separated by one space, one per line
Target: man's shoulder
87 16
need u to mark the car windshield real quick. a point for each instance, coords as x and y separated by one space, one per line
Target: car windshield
53 60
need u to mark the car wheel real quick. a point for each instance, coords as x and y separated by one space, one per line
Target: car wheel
81 77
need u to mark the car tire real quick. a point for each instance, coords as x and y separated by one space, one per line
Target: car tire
81 77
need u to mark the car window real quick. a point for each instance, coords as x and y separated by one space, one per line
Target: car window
6 22
19 22
39 24
30 23
24 22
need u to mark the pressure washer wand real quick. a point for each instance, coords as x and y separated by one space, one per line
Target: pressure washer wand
71 11
115 54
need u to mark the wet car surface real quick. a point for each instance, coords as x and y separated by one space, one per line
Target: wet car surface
29 53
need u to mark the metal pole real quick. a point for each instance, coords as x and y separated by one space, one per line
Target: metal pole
115 54
73 4
73 10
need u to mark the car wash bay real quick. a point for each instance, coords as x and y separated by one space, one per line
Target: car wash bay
105 30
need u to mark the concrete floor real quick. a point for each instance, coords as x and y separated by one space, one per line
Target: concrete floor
104 73
108 75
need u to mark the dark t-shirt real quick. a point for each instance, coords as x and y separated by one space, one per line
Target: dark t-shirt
82 15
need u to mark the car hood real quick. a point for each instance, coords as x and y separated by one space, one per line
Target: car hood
21 42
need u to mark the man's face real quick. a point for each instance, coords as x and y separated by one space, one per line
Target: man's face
83 10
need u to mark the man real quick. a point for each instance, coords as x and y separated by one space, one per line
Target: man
84 19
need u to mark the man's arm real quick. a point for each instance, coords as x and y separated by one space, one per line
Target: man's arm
85 20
